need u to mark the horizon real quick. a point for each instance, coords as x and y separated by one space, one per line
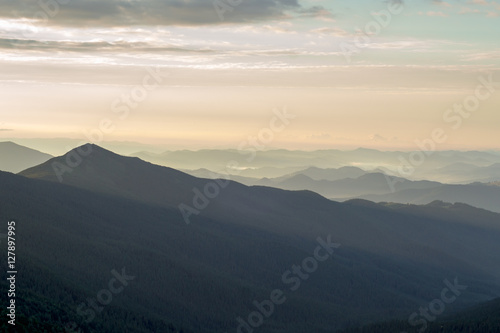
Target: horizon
120 147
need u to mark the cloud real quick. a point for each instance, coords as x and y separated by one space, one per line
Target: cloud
433 13
489 8
395 2
330 31
5 129
412 45
441 3
94 46
378 138
320 136
281 28
315 12
467 10
85 13
479 2
493 55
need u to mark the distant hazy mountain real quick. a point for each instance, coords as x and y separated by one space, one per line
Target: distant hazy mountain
486 196
205 173
367 159
123 212
328 174
368 183
59 146
15 158
341 183
468 173
245 176
247 159
312 173
267 172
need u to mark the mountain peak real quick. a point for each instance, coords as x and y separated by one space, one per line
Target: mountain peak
89 148
86 161
94 168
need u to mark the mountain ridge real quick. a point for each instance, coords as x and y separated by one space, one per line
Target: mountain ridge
16 158
390 255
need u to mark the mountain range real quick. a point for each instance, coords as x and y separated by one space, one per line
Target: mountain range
276 163
486 196
351 182
91 211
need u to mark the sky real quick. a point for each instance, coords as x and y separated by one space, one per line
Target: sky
191 74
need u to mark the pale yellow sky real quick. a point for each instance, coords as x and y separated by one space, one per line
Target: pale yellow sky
327 117
196 81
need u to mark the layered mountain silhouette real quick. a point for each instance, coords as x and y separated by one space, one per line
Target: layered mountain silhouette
368 183
329 173
15 158
277 163
375 186
113 212
486 196
468 173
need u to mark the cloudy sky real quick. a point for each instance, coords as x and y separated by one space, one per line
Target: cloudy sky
203 73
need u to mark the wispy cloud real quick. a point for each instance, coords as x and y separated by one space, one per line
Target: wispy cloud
316 12
441 3
330 31
103 13
468 10
319 136
433 13
488 8
478 56
479 2
94 46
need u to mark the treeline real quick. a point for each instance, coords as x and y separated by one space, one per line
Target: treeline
39 314
484 318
